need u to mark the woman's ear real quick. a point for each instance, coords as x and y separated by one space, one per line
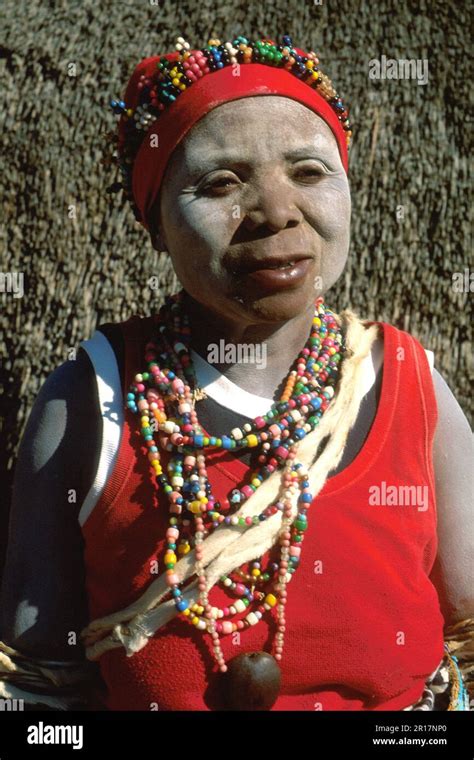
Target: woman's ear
156 236
157 240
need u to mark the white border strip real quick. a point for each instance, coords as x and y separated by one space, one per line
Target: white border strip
110 396
227 393
231 396
430 357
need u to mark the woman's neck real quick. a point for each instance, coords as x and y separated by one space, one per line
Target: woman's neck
255 357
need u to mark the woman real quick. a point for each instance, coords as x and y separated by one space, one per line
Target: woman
294 571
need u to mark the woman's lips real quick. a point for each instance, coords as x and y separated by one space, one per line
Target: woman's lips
279 279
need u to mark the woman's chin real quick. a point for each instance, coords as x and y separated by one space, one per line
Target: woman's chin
277 305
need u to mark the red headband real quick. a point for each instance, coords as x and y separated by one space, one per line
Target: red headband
207 93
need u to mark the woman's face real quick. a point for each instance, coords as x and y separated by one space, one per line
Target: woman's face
256 183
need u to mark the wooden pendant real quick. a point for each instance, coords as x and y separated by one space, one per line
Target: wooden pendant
252 682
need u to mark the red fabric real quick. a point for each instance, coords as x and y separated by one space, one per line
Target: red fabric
207 93
341 650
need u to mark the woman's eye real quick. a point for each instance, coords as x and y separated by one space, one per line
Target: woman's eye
310 171
218 186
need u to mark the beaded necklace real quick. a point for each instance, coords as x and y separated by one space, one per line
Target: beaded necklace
165 396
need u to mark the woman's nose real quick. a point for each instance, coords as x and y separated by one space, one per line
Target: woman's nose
273 206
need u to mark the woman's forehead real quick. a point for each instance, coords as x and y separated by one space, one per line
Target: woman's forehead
264 125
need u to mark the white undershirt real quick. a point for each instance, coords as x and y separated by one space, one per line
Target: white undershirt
233 397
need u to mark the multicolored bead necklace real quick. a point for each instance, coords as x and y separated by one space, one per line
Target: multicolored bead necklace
164 396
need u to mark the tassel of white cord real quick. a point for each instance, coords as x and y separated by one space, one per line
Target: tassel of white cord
229 547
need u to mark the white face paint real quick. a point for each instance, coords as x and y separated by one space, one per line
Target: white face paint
257 177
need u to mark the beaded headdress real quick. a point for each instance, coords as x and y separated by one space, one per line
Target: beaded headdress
167 94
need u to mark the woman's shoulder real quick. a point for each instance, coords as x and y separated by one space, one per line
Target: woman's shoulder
66 409
55 466
379 344
452 416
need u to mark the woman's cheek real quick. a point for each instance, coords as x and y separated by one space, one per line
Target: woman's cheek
202 237
331 211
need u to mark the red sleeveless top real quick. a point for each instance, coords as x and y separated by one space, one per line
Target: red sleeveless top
364 628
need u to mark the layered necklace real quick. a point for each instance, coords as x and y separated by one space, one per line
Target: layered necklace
165 396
